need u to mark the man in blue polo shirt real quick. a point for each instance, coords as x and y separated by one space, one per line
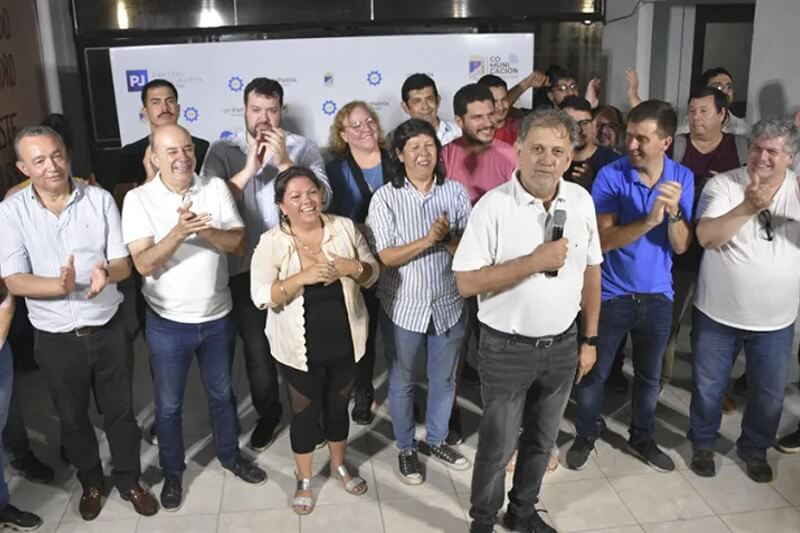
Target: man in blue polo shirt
644 205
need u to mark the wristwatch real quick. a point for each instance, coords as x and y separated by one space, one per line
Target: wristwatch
678 217
591 341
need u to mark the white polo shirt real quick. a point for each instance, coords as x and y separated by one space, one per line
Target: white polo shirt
192 286
507 223
751 283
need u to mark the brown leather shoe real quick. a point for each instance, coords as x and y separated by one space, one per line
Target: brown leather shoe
91 503
143 502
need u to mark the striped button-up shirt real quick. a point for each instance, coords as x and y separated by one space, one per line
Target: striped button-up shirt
36 241
423 289
227 157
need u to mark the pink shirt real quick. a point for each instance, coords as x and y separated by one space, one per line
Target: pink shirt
479 173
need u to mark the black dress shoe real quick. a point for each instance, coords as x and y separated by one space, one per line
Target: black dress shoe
248 471
91 503
528 524
703 463
13 518
757 467
143 502
264 433
32 469
172 492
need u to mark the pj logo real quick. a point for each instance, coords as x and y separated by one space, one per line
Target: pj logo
137 79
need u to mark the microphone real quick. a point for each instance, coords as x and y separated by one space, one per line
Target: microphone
559 220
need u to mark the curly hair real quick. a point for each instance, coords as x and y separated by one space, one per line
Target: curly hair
336 145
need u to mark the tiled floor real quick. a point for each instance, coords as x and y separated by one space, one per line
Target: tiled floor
614 493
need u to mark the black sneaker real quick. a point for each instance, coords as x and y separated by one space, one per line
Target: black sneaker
480 528
740 385
703 463
32 469
790 443
578 453
362 407
649 452
758 468
150 436
172 493
13 518
264 433
408 464
248 471
453 438
446 455
529 524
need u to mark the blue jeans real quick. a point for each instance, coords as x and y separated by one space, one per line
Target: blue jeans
172 347
714 348
442 351
648 318
6 384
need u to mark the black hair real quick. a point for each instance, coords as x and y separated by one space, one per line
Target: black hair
578 103
264 87
154 84
663 113
701 91
556 74
706 76
282 181
417 82
402 133
468 94
490 80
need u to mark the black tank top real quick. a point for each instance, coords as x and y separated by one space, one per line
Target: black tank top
327 326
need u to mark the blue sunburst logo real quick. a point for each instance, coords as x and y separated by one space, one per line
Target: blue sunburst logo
191 114
235 84
374 78
329 107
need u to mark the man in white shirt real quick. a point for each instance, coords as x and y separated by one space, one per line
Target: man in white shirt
530 285
421 99
249 163
747 294
178 228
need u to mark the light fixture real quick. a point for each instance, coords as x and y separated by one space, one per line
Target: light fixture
122 15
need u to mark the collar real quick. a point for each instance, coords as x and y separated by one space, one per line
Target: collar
76 192
632 175
522 197
159 184
328 232
407 185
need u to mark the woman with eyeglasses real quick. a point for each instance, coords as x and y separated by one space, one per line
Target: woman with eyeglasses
308 271
358 170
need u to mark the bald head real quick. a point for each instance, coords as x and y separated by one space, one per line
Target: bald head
173 154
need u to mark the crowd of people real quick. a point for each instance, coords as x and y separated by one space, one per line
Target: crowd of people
549 235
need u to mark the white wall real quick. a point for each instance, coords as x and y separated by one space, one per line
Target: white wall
774 84
626 43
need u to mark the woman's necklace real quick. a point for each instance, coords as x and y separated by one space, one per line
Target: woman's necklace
310 251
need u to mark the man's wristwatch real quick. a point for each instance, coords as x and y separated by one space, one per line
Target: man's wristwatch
678 216
591 341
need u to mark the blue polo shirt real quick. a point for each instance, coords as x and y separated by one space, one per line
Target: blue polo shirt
645 265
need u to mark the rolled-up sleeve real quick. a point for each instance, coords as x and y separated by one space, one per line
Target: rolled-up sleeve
264 271
13 255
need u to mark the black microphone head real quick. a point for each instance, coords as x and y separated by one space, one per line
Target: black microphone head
559 218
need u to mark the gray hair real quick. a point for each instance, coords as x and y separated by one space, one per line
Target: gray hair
36 131
772 128
549 118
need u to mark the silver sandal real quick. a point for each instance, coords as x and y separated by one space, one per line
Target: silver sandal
303 505
356 485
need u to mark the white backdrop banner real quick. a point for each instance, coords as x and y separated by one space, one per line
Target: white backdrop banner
318 76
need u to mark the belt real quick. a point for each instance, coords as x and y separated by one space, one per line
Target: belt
81 332
536 342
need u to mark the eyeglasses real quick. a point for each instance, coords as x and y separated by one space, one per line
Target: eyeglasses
566 87
584 123
369 123
766 231
724 87
607 126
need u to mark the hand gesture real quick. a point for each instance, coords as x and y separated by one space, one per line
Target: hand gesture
536 80
656 215
190 223
670 193
757 196
587 356
632 78
345 266
275 140
257 153
66 278
551 255
320 272
583 174
438 230
593 92
150 169
98 280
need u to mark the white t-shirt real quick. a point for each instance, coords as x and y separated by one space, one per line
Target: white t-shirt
192 286
751 283
507 223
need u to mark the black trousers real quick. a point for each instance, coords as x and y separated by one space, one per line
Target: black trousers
365 368
71 365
